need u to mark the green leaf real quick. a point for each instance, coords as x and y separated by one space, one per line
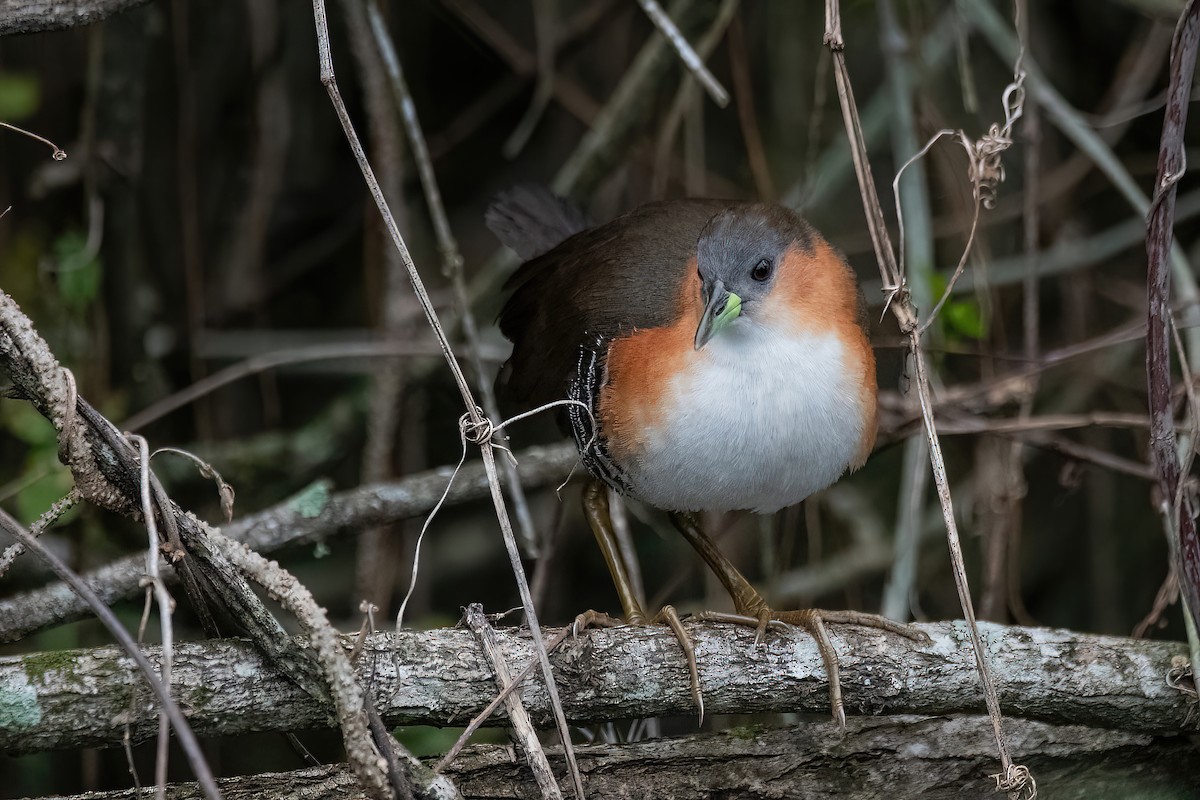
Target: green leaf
19 96
965 318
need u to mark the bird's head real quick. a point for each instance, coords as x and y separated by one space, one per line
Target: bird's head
739 256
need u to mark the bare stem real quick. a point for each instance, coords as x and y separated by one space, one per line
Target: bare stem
1159 234
473 414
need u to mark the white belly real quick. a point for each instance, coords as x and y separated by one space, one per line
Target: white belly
759 421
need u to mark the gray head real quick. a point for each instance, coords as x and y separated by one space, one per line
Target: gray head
738 257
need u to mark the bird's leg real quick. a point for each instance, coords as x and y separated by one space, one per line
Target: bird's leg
595 508
753 610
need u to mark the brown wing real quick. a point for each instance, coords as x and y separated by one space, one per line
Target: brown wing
601 282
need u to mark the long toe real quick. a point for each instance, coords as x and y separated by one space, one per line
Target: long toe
666 616
593 619
669 616
814 620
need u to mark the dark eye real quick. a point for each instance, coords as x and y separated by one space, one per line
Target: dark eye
762 270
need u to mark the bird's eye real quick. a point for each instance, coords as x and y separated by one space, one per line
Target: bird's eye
762 270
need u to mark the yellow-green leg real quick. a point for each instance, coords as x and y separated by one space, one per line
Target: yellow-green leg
595 508
753 610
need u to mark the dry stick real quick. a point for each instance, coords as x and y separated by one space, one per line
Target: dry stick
271 360
187 739
191 238
1187 445
40 526
379 549
496 702
908 322
165 607
368 764
311 516
388 747
546 37
473 414
452 260
694 162
918 249
689 56
1069 121
743 95
1030 314
57 153
683 97
522 727
1181 522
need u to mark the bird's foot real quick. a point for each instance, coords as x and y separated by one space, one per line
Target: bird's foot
814 620
668 616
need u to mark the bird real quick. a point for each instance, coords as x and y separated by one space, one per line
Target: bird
713 356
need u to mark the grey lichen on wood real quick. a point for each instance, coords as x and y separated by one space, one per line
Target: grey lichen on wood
894 757
84 697
31 16
292 523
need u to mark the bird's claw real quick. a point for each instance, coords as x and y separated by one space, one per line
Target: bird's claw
668 616
813 621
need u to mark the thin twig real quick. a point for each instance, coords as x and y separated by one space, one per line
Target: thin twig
684 98
473 412
57 153
187 739
326 649
496 702
689 56
544 27
452 260
918 251
522 727
378 554
907 319
743 95
40 526
1180 517
271 360
165 607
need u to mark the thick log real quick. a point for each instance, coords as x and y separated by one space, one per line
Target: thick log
893 757
84 697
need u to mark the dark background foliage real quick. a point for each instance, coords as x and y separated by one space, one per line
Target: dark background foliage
210 211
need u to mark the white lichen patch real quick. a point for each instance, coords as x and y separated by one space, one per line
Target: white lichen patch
19 706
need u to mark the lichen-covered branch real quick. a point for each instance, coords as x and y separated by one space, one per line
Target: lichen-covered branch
83 697
909 756
313 516
31 16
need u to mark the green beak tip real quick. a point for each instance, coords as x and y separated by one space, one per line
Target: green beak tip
733 308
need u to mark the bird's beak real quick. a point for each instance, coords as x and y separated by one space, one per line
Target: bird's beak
722 308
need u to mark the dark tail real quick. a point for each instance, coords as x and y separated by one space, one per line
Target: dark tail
532 220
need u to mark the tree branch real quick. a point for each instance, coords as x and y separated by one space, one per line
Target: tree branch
32 16
310 517
930 757
82 698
